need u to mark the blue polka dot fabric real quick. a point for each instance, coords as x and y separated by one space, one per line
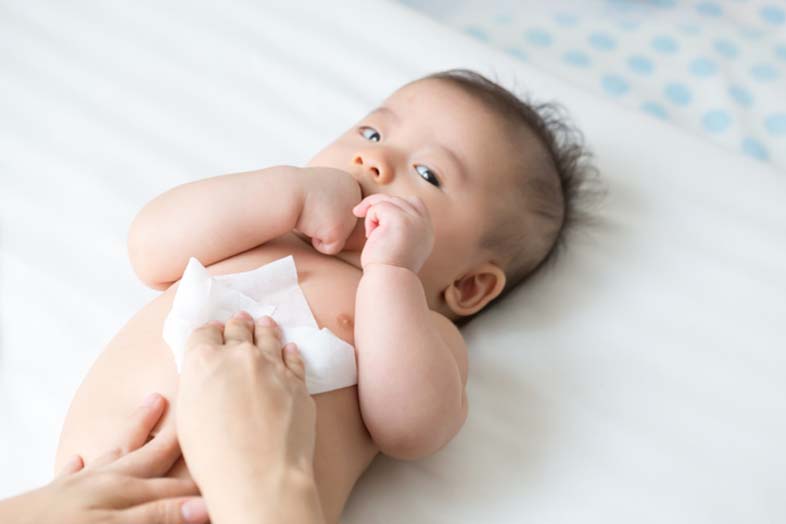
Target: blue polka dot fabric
716 68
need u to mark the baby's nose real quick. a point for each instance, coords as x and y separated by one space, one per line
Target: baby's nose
375 168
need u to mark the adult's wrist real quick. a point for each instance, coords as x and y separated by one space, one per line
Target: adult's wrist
275 493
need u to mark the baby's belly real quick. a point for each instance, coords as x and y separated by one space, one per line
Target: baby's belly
137 362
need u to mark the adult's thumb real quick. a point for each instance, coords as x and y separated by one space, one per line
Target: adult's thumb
191 510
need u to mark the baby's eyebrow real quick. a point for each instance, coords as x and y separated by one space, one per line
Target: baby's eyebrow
386 110
460 171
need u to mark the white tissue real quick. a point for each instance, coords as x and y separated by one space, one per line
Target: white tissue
268 290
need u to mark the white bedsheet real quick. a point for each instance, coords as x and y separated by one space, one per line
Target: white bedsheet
640 379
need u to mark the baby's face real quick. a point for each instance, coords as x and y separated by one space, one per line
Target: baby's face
434 141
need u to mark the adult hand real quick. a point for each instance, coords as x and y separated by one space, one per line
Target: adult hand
246 423
119 486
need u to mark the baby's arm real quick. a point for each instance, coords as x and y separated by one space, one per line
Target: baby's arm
212 219
412 365
216 218
412 362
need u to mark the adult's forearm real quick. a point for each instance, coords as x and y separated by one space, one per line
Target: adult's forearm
410 388
212 219
276 495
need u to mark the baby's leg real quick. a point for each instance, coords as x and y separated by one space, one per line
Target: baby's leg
134 363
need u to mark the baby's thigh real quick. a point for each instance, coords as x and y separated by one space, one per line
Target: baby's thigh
136 362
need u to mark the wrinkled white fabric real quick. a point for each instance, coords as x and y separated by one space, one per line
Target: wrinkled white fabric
272 290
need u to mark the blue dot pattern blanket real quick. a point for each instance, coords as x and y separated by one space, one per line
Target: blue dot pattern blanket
715 68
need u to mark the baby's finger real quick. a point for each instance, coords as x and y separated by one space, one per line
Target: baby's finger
379 212
267 336
73 465
239 328
294 361
371 221
210 334
362 208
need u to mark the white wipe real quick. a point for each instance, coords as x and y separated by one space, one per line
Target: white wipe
268 290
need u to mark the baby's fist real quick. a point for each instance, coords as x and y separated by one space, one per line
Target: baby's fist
399 231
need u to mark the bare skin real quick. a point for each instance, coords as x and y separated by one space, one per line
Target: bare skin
457 279
118 486
137 361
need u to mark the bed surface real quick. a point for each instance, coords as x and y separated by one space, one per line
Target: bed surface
641 378
714 68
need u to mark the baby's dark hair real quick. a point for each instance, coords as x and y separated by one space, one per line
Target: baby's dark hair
555 180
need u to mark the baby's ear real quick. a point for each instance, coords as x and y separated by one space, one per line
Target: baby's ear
470 293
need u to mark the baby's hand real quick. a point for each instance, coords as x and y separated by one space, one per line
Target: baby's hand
399 231
329 196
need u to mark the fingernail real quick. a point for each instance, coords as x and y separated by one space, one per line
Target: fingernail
242 315
194 511
291 348
151 400
266 321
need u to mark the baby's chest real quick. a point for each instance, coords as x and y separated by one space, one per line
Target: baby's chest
330 290
328 283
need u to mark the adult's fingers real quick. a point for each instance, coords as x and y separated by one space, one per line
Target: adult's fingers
73 465
294 361
141 423
129 491
153 459
267 337
239 328
136 431
210 334
108 457
167 511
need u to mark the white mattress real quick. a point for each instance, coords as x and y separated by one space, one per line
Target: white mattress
641 379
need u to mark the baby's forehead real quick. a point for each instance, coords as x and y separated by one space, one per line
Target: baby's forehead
412 98
448 115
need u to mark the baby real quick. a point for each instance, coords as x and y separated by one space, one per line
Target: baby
438 202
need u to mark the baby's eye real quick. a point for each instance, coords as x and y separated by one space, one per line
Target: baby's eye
429 174
373 133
